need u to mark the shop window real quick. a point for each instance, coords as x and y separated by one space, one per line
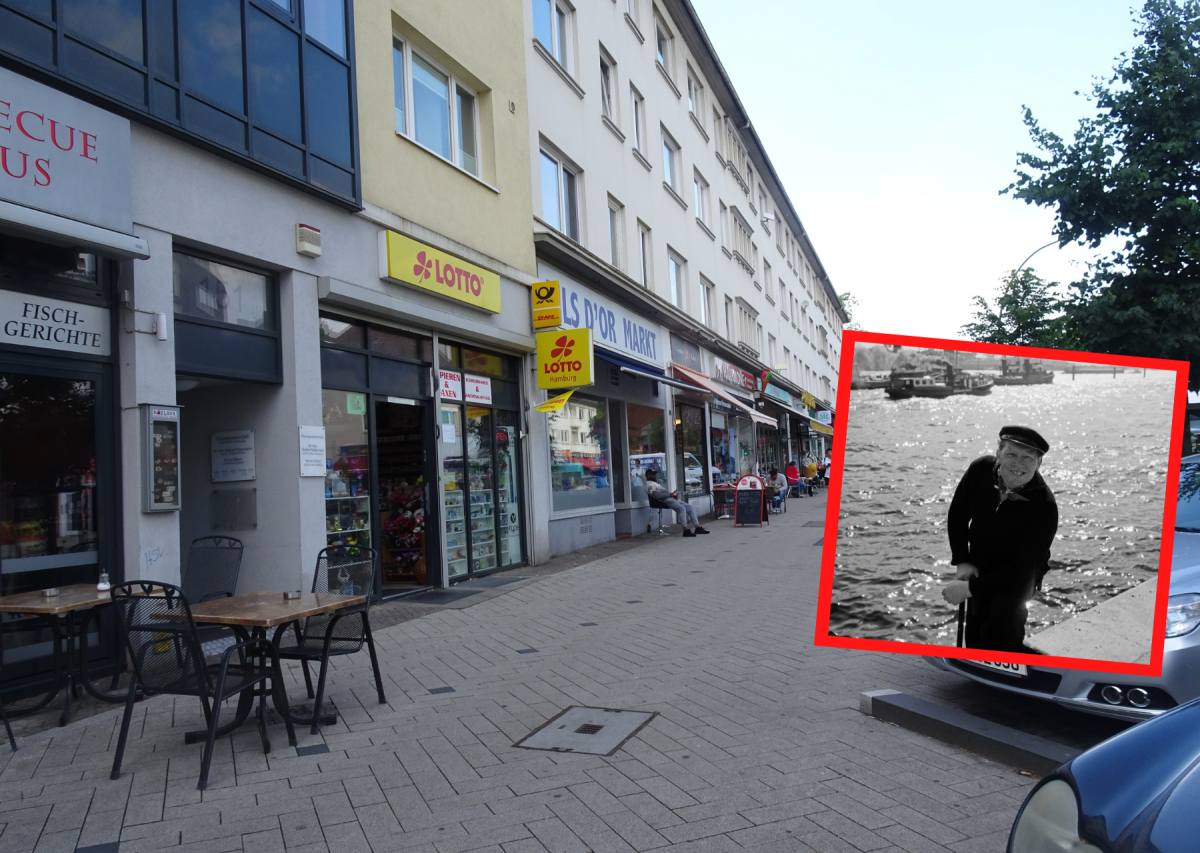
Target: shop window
223 294
347 468
343 333
395 345
691 467
491 364
57 271
733 446
579 455
647 446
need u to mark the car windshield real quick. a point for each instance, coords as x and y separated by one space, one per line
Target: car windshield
1187 512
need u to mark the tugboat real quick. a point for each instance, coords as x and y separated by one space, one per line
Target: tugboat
867 380
907 383
1027 373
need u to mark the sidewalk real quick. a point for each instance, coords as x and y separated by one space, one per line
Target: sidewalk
758 743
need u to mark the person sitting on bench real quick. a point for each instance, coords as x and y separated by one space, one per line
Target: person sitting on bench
684 512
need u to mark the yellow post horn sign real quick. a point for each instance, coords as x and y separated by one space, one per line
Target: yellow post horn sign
545 300
564 359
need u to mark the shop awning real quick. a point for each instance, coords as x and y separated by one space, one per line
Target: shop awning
62 231
624 366
699 380
819 427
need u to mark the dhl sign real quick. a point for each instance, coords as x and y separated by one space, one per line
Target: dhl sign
564 359
545 299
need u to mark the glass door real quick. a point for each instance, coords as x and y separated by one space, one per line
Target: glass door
508 488
347 468
400 453
454 492
481 493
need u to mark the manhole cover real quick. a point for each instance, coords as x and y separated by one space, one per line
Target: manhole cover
595 731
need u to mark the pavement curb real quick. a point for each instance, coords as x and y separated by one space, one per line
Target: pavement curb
982 737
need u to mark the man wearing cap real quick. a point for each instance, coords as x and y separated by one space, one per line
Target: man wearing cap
1001 523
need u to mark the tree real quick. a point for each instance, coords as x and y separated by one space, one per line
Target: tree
850 304
1132 171
1024 314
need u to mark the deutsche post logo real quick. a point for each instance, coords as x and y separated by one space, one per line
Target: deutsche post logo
545 294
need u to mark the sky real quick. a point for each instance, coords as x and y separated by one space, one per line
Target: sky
894 125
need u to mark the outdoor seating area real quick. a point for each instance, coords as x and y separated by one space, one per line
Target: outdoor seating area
161 630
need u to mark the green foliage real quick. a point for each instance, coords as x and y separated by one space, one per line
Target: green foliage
1132 171
850 304
1026 313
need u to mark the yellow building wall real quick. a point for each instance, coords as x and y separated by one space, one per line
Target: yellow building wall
482 43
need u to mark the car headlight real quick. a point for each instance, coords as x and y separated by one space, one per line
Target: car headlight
1049 823
1183 614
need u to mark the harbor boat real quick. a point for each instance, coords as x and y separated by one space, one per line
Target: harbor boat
1026 373
867 380
922 383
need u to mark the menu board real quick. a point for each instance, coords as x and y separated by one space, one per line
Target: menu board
161 462
748 501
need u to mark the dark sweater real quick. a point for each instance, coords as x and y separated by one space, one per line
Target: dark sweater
1008 541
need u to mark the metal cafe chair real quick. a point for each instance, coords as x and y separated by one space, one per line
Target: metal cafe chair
212 569
342 570
165 652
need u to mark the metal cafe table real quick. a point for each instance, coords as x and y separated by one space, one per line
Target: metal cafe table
68 611
259 611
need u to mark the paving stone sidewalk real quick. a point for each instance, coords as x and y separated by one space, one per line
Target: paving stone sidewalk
758 743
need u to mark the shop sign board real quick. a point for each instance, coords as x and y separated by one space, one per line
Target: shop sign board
725 372
545 299
613 326
477 389
564 359
38 321
232 455
825 416
686 353
64 156
313 462
450 382
777 393
412 262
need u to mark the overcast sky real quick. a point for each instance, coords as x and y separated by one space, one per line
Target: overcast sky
894 125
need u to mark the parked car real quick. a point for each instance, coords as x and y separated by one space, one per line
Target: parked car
1129 697
1137 791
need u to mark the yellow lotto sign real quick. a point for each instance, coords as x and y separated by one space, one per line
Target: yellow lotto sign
564 359
432 269
545 299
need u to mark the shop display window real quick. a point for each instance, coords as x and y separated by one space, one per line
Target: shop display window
399 345
58 271
508 488
647 446
733 446
347 468
223 294
691 468
579 460
342 333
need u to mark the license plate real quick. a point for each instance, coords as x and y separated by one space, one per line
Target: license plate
1016 669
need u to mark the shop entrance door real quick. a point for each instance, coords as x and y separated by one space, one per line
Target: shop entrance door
403 465
57 493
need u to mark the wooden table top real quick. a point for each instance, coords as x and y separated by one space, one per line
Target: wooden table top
268 609
75 597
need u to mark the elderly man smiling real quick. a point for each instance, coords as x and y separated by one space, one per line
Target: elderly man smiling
1001 523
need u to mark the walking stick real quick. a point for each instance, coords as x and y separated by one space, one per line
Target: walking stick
962 614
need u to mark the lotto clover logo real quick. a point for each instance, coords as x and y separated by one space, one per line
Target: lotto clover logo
423 267
562 347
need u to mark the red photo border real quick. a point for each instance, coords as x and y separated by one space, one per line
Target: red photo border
829 552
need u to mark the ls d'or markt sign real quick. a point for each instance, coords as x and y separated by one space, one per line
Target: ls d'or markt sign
564 359
412 262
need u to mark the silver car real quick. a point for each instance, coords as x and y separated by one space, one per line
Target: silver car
1127 697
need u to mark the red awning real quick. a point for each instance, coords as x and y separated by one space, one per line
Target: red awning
703 382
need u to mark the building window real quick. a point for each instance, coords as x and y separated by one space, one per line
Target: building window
325 22
724 226
783 299
706 303
580 474
768 281
616 216
552 26
443 117
718 135
608 80
743 244
644 250
771 351
223 294
670 161
695 96
700 187
638 106
746 329
758 337
663 41
729 330
560 196
677 275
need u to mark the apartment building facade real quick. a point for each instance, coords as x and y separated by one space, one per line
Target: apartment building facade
658 208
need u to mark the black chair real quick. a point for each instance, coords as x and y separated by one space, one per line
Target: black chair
343 570
212 568
660 506
166 656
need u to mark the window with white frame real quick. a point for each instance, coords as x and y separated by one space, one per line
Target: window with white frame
552 20
677 278
632 10
700 189
783 299
616 219
663 45
758 337
771 351
644 252
724 225
747 325
768 281
608 86
638 109
743 246
718 134
787 363
729 330
671 160
434 109
560 194
707 289
695 96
